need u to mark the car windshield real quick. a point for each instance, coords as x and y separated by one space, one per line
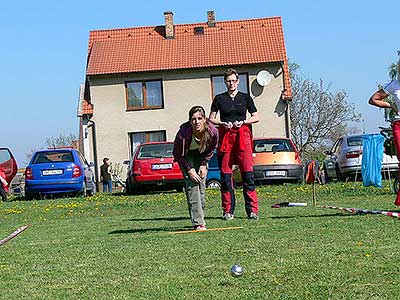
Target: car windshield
277 145
52 157
354 141
155 151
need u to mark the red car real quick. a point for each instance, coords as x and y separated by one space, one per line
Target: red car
153 166
8 169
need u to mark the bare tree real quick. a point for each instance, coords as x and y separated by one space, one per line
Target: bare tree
60 141
317 115
29 155
52 142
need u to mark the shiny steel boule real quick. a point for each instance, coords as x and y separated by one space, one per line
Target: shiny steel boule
236 271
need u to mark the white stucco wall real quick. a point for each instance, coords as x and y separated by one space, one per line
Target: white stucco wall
182 90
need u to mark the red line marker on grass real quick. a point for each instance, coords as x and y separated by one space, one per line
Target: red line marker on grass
364 211
14 234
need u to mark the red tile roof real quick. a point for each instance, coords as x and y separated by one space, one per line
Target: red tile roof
229 43
87 108
84 106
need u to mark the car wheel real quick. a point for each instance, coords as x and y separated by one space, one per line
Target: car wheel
83 191
213 184
339 174
180 189
128 187
396 185
327 178
29 196
3 193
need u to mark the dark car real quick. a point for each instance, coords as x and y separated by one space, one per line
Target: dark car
58 171
8 167
152 166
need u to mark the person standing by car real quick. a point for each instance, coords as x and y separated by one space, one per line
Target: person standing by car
378 99
235 144
105 175
193 148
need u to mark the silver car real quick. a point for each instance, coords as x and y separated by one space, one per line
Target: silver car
344 159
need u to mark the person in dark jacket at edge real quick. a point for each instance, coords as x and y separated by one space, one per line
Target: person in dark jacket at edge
194 146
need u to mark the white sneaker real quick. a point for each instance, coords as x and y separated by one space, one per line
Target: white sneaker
253 216
228 216
200 227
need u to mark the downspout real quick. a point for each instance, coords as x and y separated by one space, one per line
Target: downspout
96 170
287 117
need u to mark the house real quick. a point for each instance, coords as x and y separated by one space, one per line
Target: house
141 82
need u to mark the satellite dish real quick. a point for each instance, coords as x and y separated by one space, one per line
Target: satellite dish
263 78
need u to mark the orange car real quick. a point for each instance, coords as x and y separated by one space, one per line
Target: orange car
275 159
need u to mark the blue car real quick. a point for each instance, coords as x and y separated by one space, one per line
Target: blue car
58 171
213 176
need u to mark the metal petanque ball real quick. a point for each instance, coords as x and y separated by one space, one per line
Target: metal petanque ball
236 271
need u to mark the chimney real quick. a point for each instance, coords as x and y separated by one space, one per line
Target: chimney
210 18
169 25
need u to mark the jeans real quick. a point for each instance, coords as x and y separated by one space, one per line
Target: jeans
195 192
107 184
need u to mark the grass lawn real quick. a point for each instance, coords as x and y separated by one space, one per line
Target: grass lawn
120 247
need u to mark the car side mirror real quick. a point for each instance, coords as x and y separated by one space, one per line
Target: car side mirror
126 162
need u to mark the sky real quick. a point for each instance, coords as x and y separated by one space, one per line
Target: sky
349 44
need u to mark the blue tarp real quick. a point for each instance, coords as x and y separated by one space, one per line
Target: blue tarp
372 159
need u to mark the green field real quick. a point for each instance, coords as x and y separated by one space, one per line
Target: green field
120 247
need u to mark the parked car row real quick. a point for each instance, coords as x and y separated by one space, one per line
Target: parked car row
152 165
344 159
66 171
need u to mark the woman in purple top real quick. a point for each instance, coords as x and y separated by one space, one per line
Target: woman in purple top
194 145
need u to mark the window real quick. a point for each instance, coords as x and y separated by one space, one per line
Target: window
4 155
157 150
52 157
218 84
144 95
336 147
354 141
144 137
261 146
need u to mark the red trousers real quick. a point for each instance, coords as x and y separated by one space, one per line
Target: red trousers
236 148
396 138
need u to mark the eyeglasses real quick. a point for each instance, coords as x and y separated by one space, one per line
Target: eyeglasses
231 81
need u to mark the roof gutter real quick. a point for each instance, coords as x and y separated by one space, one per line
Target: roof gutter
287 115
96 170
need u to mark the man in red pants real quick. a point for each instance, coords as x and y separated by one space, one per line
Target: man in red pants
235 144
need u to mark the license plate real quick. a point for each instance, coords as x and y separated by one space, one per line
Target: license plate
52 172
275 173
161 166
